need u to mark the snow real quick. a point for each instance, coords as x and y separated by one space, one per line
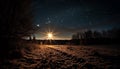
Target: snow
64 57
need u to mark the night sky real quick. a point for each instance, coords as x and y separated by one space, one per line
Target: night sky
66 17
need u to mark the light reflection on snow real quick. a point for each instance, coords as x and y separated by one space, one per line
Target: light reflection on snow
63 56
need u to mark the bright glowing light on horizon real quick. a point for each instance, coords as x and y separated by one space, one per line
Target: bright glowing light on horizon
50 36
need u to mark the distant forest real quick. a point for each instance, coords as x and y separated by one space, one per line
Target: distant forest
97 37
88 37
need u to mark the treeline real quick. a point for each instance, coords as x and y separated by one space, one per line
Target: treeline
97 37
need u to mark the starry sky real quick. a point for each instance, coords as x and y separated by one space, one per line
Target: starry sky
66 17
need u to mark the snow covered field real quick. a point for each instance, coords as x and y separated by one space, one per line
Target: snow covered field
64 57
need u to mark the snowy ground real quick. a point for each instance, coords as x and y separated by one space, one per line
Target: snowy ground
64 57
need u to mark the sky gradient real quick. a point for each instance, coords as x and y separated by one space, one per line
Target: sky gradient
66 17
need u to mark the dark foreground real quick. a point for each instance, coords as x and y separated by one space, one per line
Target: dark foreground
32 56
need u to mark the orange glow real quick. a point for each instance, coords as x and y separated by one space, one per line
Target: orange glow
50 36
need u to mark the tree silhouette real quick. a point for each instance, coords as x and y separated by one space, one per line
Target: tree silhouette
76 36
16 18
15 23
97 34
88 34
96 37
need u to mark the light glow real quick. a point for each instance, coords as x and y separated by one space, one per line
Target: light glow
38 25
50 36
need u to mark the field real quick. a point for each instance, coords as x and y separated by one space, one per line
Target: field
35 56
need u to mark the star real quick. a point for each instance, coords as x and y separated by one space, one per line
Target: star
38 25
